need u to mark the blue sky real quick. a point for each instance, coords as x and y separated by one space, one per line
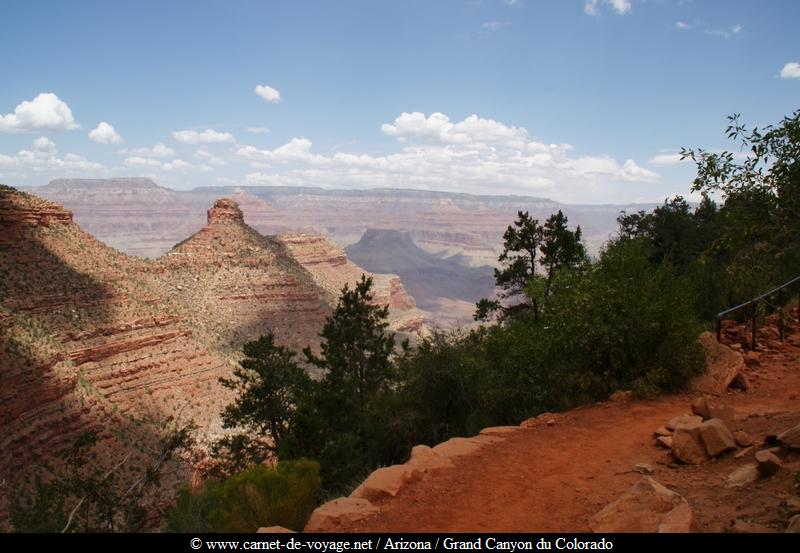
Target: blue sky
576 100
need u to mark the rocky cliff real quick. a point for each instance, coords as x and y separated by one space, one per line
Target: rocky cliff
139 217
120 213
331 270
442 286
87 344
92 339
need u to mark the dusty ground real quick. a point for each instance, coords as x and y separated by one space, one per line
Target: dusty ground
554 478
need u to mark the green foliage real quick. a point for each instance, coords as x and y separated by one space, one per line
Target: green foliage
268 383
337 420
620 323
521 242
40 511
259 496
561 248
337 423
526 246
637 326
355 347
759 226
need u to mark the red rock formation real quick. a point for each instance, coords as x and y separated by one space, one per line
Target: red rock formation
19 211
91 339
331 270
225 211
86 343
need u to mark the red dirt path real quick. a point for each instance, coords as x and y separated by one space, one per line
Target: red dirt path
554 478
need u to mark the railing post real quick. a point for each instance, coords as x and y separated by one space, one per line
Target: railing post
719 329
780 314
753 338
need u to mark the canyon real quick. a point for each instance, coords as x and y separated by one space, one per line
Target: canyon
139 217
92 339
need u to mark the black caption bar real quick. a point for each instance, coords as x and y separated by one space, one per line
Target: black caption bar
341 543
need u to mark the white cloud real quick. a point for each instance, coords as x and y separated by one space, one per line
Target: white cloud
43 159
682 25
138 162
268 93
634 173
437 127
257 130
473 155
665 158
297 149
620 6
791 71
105 134
158 150
177 165
205 137
44 144
724 33
495 25
46 112
204 154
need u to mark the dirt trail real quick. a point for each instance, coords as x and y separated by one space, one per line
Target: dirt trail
554 478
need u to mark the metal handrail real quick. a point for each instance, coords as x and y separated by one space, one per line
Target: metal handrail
754 302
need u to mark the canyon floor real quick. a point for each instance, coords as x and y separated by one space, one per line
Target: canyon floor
555 477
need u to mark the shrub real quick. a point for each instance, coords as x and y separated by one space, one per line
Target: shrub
259 496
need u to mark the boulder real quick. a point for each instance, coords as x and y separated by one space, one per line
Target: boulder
790 438
274 530
541 418
712 408
486 439
331 516
687 445
643 468
457 447
716 437
724 368
645 507
742 476
742 438
794 525
498 430
768 463
425 459
683 420
663 431
664 441
386 482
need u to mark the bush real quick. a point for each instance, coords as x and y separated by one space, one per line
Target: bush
259 496
629 324
621 323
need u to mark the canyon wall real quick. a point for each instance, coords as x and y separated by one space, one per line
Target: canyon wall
92 339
